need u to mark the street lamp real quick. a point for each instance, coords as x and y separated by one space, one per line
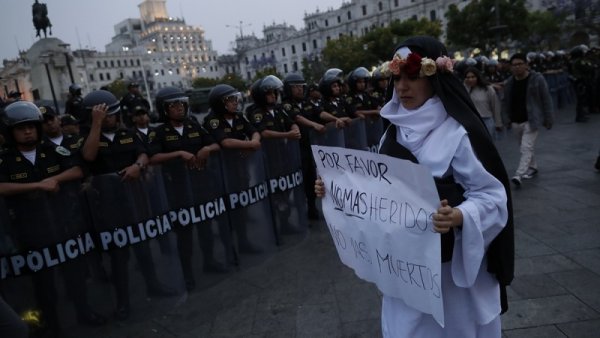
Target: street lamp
45 58
65 46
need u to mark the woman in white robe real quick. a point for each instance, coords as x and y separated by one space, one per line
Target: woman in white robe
434 123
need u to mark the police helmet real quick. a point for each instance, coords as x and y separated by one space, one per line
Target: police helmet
531 56
470 62
169 95
99 97
217 96
331 76
292 79
75 89
21 112
260 89
357 74
492 62
578 51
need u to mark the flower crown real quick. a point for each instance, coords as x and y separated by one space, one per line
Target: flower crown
417 66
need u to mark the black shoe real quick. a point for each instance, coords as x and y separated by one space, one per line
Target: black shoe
516 181
157 289
190 284
249 248
90 318
212 266
122 312
597 165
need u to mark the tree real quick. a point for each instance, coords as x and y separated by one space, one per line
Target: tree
264 72
544 30
348 53
118 87
203 82
476 25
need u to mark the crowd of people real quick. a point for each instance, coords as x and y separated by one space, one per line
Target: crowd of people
474 99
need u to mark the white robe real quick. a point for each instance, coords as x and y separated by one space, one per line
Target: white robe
471 294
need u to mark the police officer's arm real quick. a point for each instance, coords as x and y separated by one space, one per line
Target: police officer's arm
252 144
308 123
157 154
133 171
325 116
89 151
50 184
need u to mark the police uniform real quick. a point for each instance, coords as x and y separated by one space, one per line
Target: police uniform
378 98
113 156
219 128
361 101
146 137
275 120
339 107
310 111
34 230
128 104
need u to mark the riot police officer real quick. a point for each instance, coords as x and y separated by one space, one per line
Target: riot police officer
306 115
132 99
74 105
379 83
27 169
53 131
181 138
363 103
335 107
109 149
141 125
231 130
268 117
582 72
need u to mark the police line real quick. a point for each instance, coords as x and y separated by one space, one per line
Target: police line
33 261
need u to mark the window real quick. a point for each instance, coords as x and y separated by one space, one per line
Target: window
326 23
283 51
414 17
285 68
98 64
395 3
112 64
120 74
364 9
138 62
108 76
339 19
380 5
315 43
295 66
293 49
105 64
92 77
349 15
432 15
304 46
118 63
101 76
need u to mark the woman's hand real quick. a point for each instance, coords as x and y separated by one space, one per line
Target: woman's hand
319 188
446 218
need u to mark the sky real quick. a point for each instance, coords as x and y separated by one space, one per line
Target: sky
89 24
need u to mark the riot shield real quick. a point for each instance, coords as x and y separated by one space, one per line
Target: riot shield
284 175
122 215
247 200
49 237
374 130
196 199
355 135
332 137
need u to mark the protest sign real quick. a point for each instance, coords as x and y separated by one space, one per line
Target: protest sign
378 209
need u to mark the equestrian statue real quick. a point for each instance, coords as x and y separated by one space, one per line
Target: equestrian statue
40 18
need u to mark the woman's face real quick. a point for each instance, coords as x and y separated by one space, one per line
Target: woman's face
412 93
470 80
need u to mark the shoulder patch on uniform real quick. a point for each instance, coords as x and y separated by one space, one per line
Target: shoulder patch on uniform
349 100
214 123
257 117
63 151
287 106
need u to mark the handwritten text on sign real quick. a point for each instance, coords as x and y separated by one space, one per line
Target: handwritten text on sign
378 210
